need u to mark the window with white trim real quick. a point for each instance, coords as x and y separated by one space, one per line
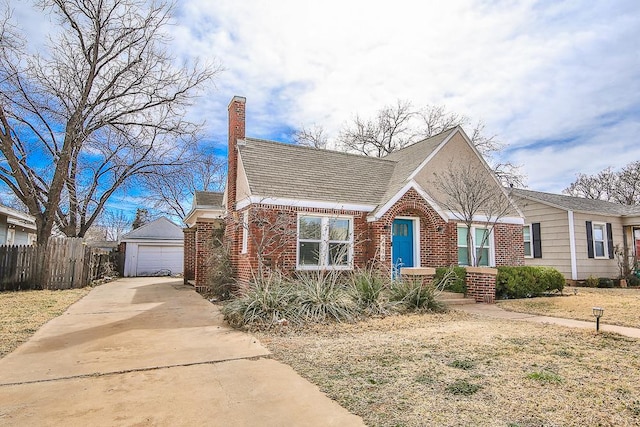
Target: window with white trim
600 240
481 241
526 235
325 242
245 231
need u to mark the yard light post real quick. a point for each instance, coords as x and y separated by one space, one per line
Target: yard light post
597 312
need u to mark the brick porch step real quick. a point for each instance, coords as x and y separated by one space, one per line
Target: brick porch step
452 298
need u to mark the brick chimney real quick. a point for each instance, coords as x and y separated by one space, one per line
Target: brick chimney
236 132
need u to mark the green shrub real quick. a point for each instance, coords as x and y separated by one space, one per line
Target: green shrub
592 282
320 297
456 284
515 282
527 281
605 282
366 289
411 294
633 280
266 302
551 279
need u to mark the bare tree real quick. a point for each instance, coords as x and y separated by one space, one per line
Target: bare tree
269 233
472 197
390 130
396 126
103 104
115 223
171 191
621 186
314 137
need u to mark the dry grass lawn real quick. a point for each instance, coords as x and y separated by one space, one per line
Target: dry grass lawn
456 369
23 313
621 306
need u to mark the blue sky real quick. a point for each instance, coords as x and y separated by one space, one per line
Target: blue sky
558 81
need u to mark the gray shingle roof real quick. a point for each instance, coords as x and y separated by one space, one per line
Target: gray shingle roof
160 229
207 199
579 204
409 158
276 169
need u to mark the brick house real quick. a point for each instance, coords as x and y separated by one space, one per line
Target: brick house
296 208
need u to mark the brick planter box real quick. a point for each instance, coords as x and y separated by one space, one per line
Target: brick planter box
481 284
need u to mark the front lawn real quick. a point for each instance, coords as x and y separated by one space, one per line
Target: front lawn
621 306
22 313
455 369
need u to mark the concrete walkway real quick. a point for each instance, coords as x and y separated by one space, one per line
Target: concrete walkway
153 352
492 310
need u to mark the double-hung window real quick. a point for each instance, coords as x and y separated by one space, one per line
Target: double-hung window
482 246
528 249
325 242
600 240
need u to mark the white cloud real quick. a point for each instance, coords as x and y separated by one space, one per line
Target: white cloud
534 71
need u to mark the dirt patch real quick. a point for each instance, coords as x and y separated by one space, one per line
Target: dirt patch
620 305
22 313
456 369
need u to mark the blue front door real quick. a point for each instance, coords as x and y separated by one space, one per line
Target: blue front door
402 244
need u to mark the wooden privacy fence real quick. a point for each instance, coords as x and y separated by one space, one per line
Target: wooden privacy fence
62 263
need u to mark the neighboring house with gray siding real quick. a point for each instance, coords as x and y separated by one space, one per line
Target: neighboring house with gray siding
577 236
16 228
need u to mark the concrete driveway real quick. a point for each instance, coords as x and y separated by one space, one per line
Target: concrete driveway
151 351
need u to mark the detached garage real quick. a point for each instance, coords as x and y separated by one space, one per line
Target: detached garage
155 249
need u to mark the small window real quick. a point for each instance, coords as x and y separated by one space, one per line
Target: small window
245 231
324 242
600 240
526 235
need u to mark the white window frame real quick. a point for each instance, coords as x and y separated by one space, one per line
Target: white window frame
605 241
324 243
490 244
530 241
245 232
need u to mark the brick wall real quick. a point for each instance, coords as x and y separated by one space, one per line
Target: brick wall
204 241
189 254
236 131
437 237
509 244
273 232
481 284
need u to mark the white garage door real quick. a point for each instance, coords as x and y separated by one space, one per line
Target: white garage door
153 260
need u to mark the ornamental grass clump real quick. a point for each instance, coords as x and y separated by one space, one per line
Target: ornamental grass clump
366 288
412 294
266 302
321 297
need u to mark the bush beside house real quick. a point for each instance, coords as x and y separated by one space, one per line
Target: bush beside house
526 281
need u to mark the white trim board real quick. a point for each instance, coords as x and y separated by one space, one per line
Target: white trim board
572 246
300 203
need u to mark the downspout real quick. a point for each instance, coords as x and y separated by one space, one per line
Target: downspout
572 246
